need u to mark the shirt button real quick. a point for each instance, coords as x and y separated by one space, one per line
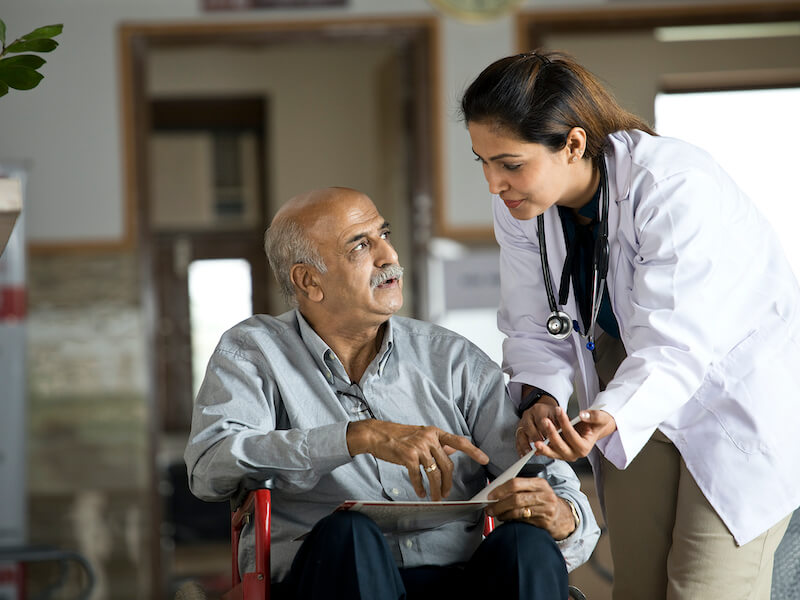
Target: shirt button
395 491
409 543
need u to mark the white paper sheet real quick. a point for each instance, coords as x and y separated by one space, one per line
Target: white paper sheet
394 516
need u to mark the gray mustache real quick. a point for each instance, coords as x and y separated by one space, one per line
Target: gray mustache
385 274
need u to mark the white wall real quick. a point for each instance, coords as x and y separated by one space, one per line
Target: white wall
69 127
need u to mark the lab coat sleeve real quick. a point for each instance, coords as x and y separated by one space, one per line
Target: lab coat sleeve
667 334
235 438
530 355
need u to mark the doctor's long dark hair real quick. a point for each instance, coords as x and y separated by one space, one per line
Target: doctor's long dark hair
539 96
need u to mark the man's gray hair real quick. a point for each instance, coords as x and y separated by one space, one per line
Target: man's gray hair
287 244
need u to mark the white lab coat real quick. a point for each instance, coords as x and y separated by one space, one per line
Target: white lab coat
708 311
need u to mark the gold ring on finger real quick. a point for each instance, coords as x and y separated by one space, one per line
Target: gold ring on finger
526 512
431 468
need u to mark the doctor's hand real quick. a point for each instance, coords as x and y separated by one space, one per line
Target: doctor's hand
532 424
418 448
573 442
532 500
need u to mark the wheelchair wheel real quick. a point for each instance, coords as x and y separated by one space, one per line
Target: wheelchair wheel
576 594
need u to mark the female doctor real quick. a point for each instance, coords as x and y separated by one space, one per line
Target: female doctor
636 273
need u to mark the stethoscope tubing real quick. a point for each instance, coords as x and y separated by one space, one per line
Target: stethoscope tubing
559 325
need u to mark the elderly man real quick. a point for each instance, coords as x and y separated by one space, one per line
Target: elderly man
339 400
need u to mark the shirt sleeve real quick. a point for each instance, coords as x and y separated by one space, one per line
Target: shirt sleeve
577 548
236 438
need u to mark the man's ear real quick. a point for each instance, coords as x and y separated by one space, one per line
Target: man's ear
306 281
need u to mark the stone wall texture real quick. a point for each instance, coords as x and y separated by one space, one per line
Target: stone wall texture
88 455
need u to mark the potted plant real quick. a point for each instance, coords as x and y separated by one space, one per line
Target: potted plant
19 70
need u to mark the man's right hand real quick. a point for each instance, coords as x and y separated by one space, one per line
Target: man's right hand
415 447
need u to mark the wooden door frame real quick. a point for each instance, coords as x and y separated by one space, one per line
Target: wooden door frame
424 192
532 26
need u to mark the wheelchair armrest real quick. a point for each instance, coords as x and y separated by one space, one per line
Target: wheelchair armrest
255 506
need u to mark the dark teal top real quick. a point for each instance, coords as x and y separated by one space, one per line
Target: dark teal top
580 245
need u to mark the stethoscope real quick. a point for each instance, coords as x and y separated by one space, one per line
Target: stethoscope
559 324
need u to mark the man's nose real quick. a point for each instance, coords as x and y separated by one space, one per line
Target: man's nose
386 254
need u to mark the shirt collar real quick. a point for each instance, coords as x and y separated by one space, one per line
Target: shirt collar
386 347
326 359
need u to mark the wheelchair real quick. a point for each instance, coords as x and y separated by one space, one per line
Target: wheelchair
255 506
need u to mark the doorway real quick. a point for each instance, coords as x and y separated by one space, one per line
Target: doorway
377 71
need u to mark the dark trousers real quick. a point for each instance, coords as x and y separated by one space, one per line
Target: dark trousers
346 558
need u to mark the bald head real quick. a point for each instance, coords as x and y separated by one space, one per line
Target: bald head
308 208
300 226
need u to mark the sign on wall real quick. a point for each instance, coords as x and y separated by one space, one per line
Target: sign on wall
252 4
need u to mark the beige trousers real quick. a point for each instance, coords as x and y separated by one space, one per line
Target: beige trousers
667 541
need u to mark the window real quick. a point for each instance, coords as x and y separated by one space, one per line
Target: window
752 134
220 295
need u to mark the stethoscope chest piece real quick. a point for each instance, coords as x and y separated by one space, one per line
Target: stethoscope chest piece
559 325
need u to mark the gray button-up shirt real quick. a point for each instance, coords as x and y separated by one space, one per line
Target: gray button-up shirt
273 412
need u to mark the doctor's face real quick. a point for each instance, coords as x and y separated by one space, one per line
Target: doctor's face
529 178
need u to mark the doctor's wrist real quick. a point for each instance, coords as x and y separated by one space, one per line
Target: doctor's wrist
532 395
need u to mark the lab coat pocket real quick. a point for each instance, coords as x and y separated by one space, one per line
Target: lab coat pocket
750 391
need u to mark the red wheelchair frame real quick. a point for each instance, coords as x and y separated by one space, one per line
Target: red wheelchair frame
254 585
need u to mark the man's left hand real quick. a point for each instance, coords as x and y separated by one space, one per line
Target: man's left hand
532 500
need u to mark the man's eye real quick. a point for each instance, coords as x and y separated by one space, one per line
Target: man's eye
386 234
360 246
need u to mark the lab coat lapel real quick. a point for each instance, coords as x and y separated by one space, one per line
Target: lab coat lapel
618 167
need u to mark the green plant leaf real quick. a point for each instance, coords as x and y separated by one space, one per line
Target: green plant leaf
25 60
2 36
43 45
3 89
46 32
19 78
